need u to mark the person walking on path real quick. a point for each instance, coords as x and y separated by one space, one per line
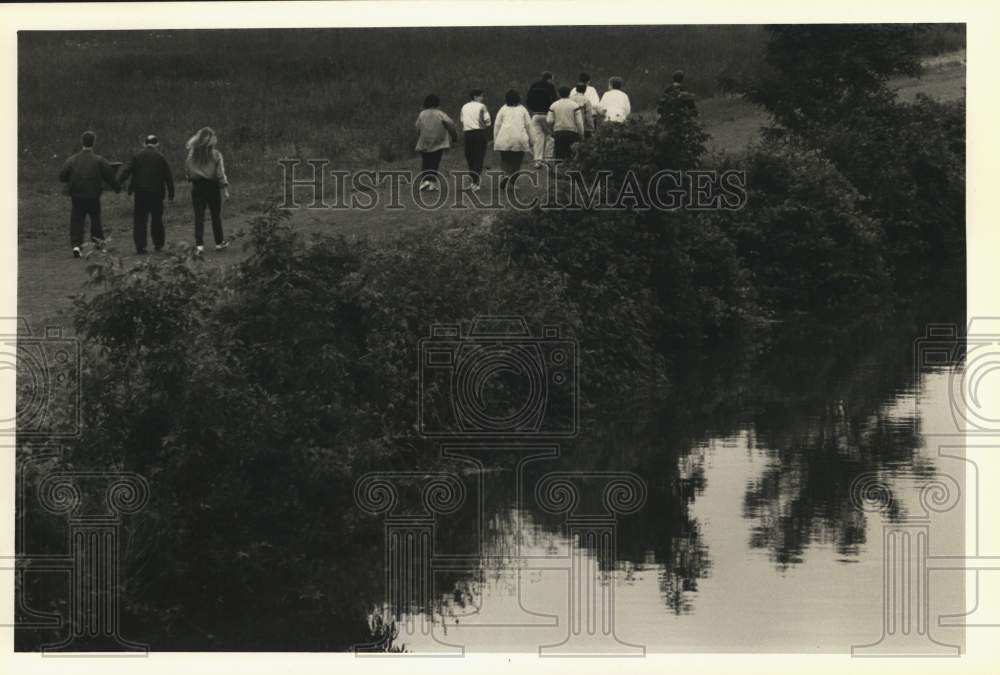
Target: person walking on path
512 135
436 134
207 173
590 92
579 96
475 123
151 180
541 95
565 118
85 174
615 105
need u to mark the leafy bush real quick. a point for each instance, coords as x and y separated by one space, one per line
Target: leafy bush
827 88
803 235
908 161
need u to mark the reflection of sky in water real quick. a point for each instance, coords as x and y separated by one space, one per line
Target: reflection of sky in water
824 598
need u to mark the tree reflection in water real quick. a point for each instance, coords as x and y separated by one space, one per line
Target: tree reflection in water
818 406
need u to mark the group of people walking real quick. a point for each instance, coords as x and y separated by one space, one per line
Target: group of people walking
549 122
150 180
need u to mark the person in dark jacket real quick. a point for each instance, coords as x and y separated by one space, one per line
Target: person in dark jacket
151 179
541 95
85 174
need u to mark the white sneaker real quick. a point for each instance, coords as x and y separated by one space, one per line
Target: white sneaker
198 250
433 187
425 185
220 247
476 187
76 251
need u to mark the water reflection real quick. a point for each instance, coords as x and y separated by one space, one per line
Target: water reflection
748 471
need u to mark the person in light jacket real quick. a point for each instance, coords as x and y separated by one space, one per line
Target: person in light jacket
512 135
589 91
436 132
207 173
579 96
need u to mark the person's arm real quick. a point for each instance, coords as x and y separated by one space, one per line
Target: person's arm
449 124
485 117
126 173
66 171
578 118
628 106
108 174
550 118
220 173
168 177
499 121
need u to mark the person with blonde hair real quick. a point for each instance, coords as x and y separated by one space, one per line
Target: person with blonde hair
207 173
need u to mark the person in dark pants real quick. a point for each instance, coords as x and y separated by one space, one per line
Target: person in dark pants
436 132
151 178
207 173
475 123
565 118
85 174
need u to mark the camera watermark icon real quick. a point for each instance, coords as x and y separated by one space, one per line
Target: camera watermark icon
497 380
47 372
95 503
973 360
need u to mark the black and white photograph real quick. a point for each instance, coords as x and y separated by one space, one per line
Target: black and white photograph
431 335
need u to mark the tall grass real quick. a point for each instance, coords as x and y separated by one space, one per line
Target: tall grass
348 94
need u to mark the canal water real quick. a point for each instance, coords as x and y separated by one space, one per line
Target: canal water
793 512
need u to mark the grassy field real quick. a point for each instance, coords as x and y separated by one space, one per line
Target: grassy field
347 95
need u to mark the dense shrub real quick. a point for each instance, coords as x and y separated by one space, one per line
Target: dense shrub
908 161
827 88
809 245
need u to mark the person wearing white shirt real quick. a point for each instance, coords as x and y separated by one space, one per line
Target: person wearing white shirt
590 92
475 121
579 96
614 105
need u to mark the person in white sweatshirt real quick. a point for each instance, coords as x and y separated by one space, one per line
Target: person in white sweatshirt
589 92
512 135
615 105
